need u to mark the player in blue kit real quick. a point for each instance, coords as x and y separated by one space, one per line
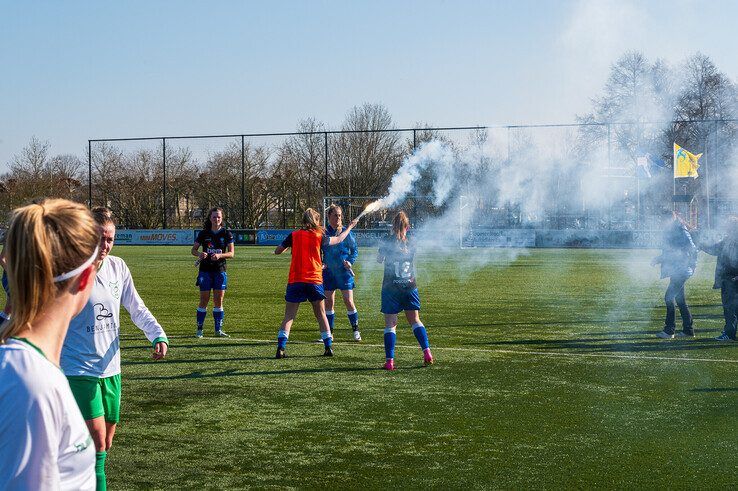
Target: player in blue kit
338 273
217 246
399 290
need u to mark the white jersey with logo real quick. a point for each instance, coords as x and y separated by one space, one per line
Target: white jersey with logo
92 345
44 442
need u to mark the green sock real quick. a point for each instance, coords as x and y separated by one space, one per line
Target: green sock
102 484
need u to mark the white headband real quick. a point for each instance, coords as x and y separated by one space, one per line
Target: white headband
78 270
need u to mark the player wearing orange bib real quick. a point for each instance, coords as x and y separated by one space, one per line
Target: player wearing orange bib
305 281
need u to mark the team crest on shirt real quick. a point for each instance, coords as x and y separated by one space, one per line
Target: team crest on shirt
114 289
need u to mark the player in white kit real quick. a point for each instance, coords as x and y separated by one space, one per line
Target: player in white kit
91 354
50 248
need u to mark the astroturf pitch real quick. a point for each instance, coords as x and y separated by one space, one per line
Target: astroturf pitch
547 375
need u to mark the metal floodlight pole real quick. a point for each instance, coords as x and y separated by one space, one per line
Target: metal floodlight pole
164 187
415 140
89 174
243 182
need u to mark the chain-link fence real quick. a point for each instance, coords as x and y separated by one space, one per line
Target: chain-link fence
591 176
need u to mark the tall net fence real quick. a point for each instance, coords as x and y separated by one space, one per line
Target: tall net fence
589 176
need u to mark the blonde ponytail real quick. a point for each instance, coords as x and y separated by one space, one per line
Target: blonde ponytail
44 241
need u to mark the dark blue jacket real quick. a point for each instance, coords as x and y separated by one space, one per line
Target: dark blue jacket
678 252
726 267
333 256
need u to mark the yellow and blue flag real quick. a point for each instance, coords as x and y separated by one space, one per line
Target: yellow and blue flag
685 163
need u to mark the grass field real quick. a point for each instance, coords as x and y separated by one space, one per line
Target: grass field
548 375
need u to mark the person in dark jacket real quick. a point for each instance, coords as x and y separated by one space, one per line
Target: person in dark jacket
726 277
678 260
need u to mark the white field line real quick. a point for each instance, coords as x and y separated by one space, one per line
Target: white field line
504 351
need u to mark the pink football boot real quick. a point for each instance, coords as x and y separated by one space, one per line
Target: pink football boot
389 364
427 357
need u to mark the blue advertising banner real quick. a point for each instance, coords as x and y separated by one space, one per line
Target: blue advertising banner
271 237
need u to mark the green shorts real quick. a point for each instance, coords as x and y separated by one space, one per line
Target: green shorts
97 396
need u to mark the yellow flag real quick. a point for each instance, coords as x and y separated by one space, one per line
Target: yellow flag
685 163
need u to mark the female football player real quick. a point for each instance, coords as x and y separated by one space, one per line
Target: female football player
399 291
91 354
338 273
217 246
51 249
305 281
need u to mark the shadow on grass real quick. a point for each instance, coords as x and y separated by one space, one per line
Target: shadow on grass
716 389
236 373
594 345
168 361
215 344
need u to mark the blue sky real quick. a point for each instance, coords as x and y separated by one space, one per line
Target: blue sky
75 70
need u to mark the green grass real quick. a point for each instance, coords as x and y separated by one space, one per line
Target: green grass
548 375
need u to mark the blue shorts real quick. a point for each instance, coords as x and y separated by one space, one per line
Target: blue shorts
212 280
301 292
340 281
6 287
395 301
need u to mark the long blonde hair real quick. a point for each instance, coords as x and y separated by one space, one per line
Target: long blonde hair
43 241
400 225
311 220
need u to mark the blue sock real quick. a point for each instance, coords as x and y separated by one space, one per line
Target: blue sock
421 336
354 319
331 316
282 339
201 313
327 339
218 315
390 337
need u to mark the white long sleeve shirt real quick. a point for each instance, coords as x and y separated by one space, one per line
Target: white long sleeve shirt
92 345
44 442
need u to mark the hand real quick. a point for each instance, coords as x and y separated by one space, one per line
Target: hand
203 256
347 265
214 256
160 350
353 223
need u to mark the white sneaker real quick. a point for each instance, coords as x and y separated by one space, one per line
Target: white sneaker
665 335
221 334
198 333
357 336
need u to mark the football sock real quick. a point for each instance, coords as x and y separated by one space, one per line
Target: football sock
331 316
218 315
353 318
282 339
102 484
201 314
327 339
421 336
390 337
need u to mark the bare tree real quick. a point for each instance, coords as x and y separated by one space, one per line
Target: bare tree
366 157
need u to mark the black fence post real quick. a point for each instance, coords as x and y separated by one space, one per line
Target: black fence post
89 174
164 187
243 182
415 140
325 184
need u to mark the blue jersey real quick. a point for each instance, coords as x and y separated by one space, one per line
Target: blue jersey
214 243
333 256
399 265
